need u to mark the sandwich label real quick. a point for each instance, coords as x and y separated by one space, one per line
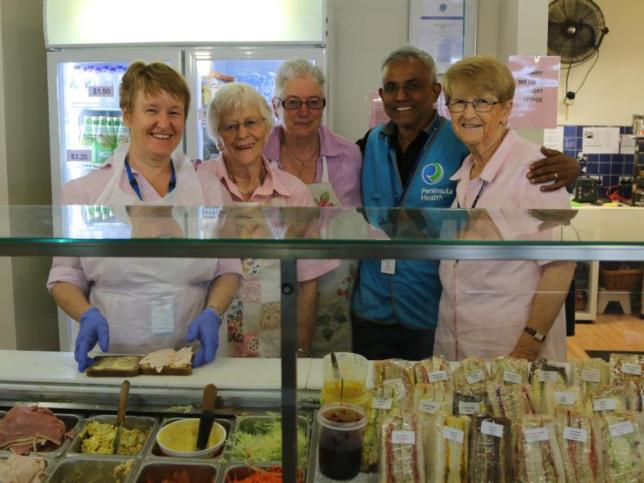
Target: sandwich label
512 377
492 429
473 377
565 398
398 384
429 407
548 376
437 376
605 404
381 403
468 408
632 369
453 434
403 437
590 375
575 434
621 429
535 435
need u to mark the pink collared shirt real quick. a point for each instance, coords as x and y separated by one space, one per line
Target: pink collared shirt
85 191
485 304
343 159
278 186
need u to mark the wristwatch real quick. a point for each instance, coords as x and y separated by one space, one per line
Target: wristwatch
535 333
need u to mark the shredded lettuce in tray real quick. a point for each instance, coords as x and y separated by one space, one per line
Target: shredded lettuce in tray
264 445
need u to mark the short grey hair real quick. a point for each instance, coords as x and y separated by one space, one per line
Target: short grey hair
297 69
408 52
232 98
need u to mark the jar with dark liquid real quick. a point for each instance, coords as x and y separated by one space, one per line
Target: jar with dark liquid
340 444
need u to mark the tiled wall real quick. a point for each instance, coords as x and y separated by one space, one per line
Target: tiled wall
609 166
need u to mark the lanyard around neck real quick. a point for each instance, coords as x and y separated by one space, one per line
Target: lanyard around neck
135 184
476 200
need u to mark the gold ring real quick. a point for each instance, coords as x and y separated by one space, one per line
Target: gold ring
556 175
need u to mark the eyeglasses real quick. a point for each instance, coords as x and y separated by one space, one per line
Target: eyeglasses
480 105
295 102
250 124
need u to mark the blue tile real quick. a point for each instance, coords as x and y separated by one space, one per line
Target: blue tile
570 131
628 130
604 158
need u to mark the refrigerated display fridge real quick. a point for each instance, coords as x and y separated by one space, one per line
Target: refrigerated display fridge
89 48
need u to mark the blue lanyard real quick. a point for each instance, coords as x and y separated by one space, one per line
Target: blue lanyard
476 200
135 184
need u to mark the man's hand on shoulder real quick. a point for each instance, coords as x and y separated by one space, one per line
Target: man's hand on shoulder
556 168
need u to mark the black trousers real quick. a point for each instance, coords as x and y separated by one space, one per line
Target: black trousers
377 341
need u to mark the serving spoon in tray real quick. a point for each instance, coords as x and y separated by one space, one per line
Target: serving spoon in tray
120 416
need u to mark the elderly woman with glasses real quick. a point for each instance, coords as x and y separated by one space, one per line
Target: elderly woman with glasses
491 308
239 121
330 166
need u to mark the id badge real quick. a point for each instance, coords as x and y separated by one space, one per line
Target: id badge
161 318
388 266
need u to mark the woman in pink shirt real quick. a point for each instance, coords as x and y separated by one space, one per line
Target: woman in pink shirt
239 121
510 307
140 305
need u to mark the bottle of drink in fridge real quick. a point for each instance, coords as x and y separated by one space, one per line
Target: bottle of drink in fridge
111 131
123 134
102 144
88 135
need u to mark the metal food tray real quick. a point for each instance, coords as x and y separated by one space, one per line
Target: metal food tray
154 452
71 421
145 423
248 424
158 470
89 469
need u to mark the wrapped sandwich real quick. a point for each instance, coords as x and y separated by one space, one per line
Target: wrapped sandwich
471 403
396 372
509 371
401 456
512 402
626 367
590 374
490 450
445 440
537 452
604 400
471 375
634 396
432 398
434 370
620 451
542 374
559 397
578 445
385 401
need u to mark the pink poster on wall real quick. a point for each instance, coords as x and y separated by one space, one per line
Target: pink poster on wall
537 89
377 114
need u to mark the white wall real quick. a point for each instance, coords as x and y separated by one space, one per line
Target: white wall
28 313
363 32
614 90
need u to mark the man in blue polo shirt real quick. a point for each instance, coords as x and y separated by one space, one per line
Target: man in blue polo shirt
408 163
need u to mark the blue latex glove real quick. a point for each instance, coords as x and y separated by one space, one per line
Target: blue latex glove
205 327
93 328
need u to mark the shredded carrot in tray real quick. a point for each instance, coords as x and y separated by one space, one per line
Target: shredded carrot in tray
268 475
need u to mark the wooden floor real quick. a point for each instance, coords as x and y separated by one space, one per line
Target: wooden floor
610 332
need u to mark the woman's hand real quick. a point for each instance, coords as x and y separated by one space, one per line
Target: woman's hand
527 347
93 329
205 328
556 168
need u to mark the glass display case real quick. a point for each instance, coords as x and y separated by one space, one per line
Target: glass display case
288 234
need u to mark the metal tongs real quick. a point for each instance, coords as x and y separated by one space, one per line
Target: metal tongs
336 373
120 417
207 416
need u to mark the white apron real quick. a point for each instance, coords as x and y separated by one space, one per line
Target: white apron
253 319
149 302
332 332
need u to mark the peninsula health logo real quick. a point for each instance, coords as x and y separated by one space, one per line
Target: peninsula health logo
433 173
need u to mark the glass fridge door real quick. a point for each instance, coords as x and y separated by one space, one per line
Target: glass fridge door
209 69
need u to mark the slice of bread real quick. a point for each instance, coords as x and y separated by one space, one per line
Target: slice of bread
115 366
